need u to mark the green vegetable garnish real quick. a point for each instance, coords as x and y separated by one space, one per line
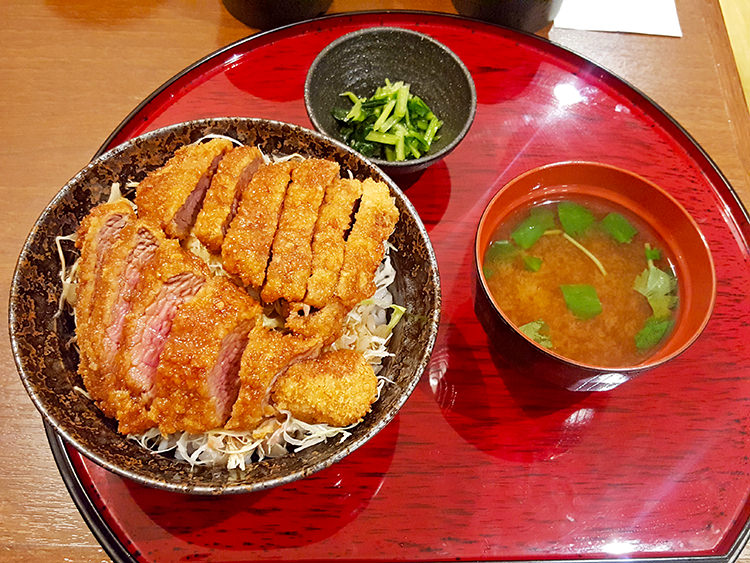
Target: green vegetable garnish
619 227
532 263
533 227
574 218
652 253
538 331
392 124
659 287
652 333
500 250
582 300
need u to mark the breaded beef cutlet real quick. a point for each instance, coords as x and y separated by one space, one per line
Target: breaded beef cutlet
247 245
172 195
222 199
336 388
291 254
197 379
373 224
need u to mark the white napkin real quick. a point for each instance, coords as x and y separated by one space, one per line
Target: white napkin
653 17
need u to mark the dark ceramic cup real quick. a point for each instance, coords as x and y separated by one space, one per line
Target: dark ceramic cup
267 14
526 15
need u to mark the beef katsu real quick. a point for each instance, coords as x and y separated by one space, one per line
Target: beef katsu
329 239
247 245
165 343
235 171
373 224
291 253
267 354
172 195
336 388
197 381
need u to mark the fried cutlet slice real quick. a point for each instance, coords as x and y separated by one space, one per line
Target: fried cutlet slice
267 354
336 388
247 244
197 379
329 240
373 224
291 255
222 199
326 323
104 228
167 282
172 195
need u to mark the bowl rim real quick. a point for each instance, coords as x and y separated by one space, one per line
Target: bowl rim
428 158
62 428
586 367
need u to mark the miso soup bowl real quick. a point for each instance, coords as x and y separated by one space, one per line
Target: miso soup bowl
608 184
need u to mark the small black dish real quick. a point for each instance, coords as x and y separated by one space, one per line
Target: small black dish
267 14
526 15
361 61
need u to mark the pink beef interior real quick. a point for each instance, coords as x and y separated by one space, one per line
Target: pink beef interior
223 381
153 328
185 216
142 253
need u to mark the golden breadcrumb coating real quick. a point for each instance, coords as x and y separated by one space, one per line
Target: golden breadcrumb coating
235 171
107 227
291 256
268 352
335 389
247 244
328 240
373 224
162 195
192 391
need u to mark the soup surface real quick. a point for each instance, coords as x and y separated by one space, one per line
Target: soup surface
592 283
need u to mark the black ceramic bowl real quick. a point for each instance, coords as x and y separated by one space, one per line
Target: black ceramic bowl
47 363
361 61
266 14
526 15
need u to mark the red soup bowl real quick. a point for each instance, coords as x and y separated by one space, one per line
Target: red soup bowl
612 187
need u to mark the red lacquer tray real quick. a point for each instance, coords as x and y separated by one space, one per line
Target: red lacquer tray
484 462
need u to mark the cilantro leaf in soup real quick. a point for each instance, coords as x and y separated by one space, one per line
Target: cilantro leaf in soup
659 288
582 300
574 218
538 331
533 227
532 263
619 227
652 332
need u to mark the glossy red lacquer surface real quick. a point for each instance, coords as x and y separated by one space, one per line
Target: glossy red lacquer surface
484 462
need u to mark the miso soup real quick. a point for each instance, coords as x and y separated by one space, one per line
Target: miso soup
585 279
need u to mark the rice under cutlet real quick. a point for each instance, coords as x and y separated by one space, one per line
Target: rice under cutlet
197 379
291 255
235 171
172 195
373 224
247 244
267 354
336 388
328 239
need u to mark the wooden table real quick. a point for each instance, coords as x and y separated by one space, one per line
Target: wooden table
72 70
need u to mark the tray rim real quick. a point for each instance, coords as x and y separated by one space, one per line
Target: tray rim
103 532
